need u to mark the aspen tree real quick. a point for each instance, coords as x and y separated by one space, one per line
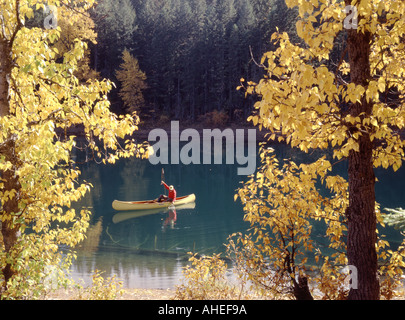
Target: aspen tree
355 108
40 96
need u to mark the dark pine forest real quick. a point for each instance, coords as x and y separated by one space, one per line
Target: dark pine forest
193 52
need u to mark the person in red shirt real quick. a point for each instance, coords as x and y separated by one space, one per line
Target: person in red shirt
172 194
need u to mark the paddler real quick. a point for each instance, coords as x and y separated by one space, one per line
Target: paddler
172 193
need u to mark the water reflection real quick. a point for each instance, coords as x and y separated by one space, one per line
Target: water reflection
134 261
171 219
127 215
136 269
91 242
148 249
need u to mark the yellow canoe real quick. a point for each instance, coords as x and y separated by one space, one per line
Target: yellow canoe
150 204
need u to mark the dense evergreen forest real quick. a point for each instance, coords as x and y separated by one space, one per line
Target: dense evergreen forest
193 52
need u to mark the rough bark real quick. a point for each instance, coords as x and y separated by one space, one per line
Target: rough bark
10 229
361 238
5 72
9 209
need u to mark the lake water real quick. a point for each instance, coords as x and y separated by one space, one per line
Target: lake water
148 250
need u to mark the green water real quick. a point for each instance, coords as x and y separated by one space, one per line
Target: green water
148 250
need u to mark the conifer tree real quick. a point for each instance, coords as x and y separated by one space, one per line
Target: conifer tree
116 23
132 82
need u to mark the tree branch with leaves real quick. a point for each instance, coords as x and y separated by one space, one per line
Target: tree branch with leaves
40 96
304 103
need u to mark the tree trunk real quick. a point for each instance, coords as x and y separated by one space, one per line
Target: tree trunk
301 289
361 238
9 229
5 72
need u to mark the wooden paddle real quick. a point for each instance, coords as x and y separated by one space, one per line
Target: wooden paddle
162 178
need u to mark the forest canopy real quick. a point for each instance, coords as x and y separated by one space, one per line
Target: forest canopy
193 52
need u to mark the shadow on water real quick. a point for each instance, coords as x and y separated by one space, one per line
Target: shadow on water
148 249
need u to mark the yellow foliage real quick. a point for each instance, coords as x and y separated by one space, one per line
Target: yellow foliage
73 28
281 203
206 279
109 288
302 98
45 96
132 82
306 104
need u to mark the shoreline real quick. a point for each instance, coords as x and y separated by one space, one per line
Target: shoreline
143 130
127 294
142 133
153 294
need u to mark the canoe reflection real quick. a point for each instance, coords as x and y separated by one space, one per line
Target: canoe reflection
122 216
